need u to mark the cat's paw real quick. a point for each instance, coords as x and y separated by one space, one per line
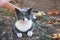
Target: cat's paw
30 33
19 35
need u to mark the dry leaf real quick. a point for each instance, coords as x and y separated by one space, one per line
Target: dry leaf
55 35
39 14
53 12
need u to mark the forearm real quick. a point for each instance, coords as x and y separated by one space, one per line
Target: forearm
10 6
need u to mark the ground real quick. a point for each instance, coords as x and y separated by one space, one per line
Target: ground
41 29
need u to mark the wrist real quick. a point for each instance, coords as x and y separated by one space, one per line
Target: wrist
9 6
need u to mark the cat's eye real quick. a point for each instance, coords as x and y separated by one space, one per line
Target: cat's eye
27 17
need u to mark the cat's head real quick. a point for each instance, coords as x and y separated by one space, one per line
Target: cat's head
24 14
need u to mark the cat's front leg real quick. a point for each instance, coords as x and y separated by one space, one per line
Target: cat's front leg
19 35
30 32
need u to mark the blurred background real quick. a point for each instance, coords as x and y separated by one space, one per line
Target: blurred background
44 5
42 30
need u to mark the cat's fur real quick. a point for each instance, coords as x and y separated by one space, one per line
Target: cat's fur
24 22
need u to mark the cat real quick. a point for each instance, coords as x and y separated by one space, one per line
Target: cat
24 22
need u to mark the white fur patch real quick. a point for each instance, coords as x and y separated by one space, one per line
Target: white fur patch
19 35
30 33
23 25
34 17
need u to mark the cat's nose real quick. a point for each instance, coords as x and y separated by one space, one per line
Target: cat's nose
23 19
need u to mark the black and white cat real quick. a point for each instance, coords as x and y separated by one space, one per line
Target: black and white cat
24 22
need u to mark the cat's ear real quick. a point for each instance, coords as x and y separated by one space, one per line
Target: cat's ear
29 10
17 11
